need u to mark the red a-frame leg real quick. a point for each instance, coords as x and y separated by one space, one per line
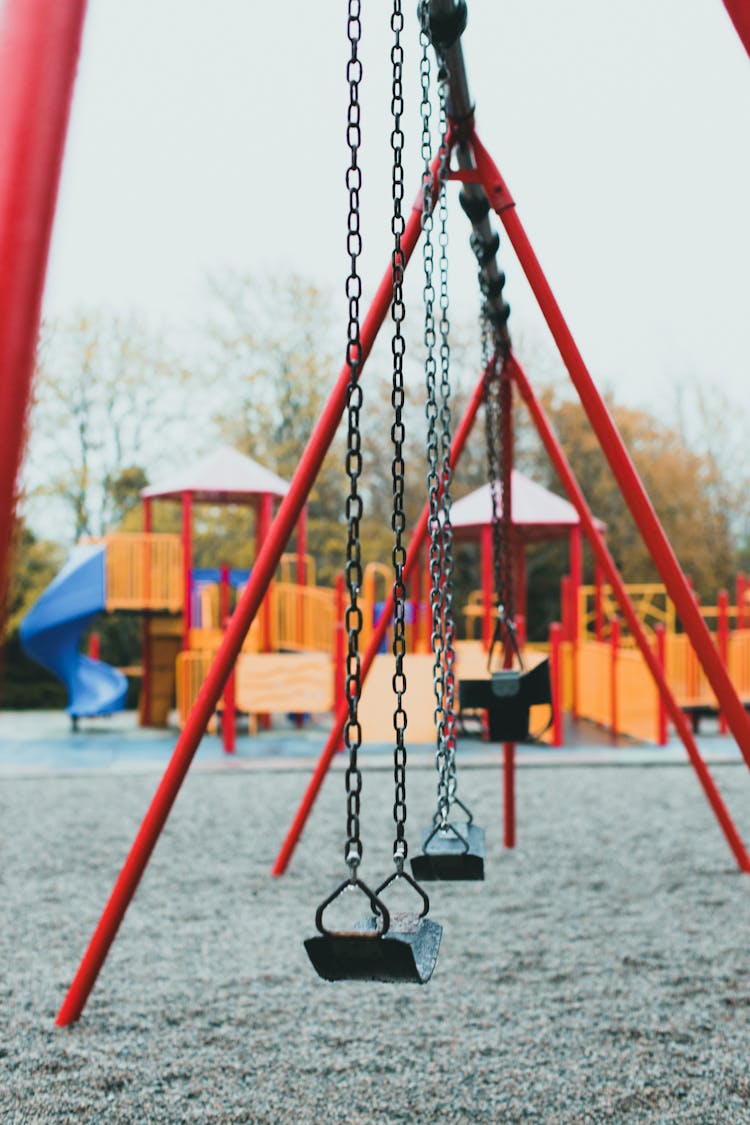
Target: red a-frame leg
39 46
607 563
617 455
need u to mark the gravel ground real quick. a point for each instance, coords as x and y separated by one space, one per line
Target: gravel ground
601 973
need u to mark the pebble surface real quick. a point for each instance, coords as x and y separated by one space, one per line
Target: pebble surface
600 973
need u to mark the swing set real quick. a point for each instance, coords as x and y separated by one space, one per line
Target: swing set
40 46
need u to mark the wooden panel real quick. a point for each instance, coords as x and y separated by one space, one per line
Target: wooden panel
284 683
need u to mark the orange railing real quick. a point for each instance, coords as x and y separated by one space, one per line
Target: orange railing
650 601
144 571
302 618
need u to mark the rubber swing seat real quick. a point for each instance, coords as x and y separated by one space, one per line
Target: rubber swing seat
406 954
454 853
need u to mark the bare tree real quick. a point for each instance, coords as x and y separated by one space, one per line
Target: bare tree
107 396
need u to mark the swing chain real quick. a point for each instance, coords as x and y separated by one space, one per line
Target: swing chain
496 387
439 474
353 568
446 467
398 434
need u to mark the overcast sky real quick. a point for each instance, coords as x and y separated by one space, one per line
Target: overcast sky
212 135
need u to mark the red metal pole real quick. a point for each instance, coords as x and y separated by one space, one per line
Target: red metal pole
661 656
265 519
302 548
187 565
39 46
413 554
555 642
619 460
229 712
265 565
94 646
509 794
604 558
614 649
145 706
722 629
574 593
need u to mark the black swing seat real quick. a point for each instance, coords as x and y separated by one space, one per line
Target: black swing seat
405 954
508 696
455 853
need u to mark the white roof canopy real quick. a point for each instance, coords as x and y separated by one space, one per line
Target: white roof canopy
224 477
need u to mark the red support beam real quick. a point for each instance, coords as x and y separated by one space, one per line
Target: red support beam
39 47
229 712
302 548
739 13
576 580
263 526
266 562
413 555
555 662
187 566
614 450
145 701
607 563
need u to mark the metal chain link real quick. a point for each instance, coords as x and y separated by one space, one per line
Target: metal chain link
495 388
437 447
431 407
353 568
398 434
446 471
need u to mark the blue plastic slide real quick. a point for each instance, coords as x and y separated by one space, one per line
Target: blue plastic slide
51 634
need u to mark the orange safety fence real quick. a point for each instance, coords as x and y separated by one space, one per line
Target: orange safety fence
144 571
650 601
637 699
302 618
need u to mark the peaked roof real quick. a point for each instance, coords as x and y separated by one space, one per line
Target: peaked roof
536 512
224 477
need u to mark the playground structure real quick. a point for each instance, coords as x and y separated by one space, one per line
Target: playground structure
294 643
44 65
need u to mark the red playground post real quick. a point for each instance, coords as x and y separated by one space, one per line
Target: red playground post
39 46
